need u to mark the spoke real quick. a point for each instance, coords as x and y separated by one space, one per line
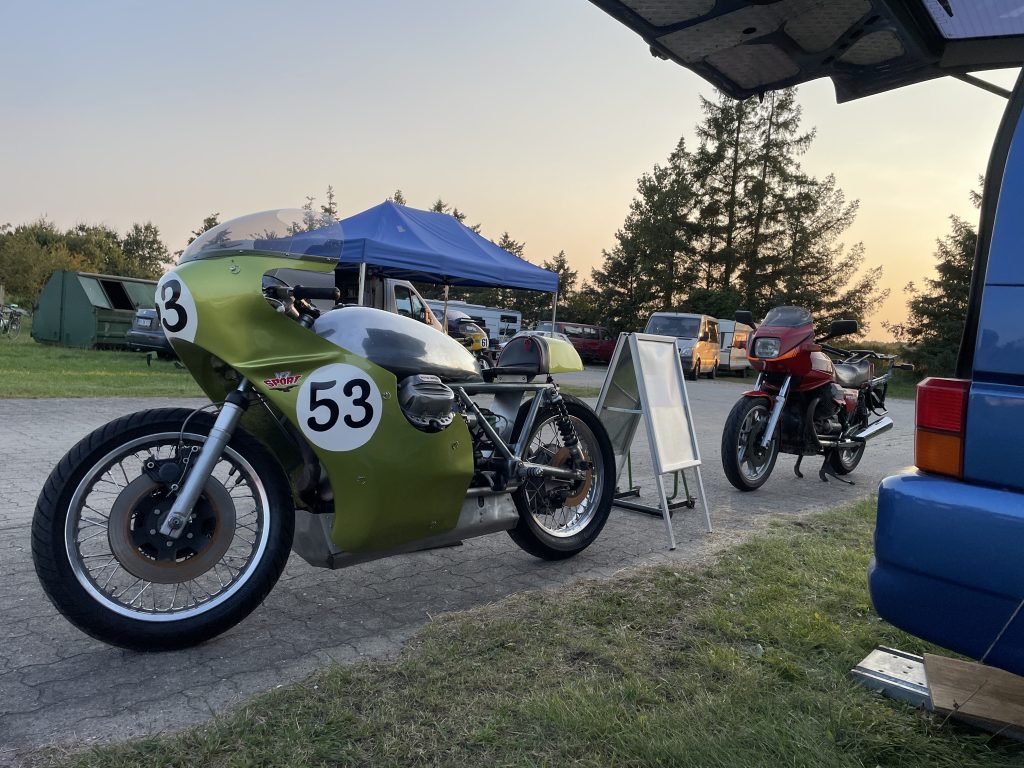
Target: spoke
110 575
141 593
118 595
91 509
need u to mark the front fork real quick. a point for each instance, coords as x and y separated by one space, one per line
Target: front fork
773 419
220 435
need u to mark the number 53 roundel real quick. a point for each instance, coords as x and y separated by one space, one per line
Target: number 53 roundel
338 407
178 315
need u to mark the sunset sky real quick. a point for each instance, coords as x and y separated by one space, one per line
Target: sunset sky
534 116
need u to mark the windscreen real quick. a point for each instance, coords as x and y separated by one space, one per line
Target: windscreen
787 317
293 232
683 327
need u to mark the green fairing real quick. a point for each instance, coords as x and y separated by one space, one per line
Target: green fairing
400 486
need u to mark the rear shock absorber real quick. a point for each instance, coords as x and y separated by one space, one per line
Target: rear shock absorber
562 421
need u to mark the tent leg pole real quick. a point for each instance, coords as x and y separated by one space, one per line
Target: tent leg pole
444 323
362 283
554 312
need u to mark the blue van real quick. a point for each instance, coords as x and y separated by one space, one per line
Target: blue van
949 540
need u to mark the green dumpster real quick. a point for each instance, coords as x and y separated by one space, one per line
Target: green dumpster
82 309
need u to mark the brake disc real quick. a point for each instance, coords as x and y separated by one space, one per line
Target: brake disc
135 539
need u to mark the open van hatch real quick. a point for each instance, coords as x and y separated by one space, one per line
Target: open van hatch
747 47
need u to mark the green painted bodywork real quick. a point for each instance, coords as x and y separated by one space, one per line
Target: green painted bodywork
562 356
402 485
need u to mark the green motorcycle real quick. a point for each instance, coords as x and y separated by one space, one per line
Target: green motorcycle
343 432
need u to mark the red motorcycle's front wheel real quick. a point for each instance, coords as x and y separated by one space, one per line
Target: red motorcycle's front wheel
747 465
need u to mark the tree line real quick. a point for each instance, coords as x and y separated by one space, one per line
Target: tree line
732 223
30 253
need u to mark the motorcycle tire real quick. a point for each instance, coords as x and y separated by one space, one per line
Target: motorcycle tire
845 461
538 531
108 570
743 430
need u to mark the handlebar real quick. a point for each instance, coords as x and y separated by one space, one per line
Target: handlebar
861 354
316 293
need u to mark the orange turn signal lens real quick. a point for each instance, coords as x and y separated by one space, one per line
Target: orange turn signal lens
938 452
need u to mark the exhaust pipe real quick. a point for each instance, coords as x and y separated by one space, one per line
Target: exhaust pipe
874 429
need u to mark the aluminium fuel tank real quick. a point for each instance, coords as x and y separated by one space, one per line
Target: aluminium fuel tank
399 344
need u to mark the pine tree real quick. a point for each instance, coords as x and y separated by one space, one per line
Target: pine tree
937 313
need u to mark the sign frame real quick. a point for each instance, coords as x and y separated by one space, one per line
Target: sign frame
656 391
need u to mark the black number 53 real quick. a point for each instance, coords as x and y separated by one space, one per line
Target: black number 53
333 411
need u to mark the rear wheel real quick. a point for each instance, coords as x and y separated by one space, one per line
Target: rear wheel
696 370
557 520
713 373
107 568
844 460
15 329
747 465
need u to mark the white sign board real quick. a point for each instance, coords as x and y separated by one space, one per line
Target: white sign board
645 380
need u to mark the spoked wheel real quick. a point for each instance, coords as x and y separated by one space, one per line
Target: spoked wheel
557 520
747 465
103 561
15 329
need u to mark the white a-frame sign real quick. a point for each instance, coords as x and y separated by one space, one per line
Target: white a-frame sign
645 378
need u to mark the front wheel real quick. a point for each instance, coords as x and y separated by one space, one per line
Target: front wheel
107 568
747 465
15 328
556 520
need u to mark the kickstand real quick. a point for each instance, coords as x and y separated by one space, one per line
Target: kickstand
823 472
796 469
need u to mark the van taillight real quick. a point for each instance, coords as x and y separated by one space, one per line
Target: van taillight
941 419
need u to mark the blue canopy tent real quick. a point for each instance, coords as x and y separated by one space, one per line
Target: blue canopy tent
422 246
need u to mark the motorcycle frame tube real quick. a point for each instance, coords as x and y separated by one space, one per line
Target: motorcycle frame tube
402 485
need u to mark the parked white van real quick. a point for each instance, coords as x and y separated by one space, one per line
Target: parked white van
733 342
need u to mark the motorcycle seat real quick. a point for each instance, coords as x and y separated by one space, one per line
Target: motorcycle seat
853 375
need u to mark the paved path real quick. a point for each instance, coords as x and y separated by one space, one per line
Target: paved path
58 685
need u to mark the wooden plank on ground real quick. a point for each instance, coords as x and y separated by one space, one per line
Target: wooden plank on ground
974 691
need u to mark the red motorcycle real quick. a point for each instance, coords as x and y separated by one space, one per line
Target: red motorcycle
803 402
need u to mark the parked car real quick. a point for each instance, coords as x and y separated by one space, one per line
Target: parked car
696 340
593 342
733 347
147 335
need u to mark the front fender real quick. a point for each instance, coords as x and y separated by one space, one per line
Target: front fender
769 396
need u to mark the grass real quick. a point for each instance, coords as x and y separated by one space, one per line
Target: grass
29 369
743 663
